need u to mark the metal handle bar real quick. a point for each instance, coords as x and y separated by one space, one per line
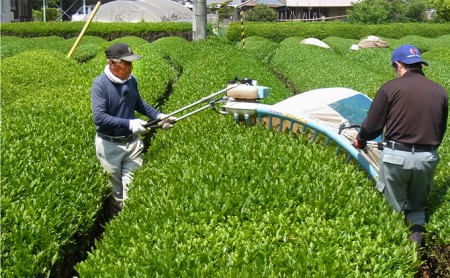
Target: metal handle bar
378 145
210 105
342 127
210 99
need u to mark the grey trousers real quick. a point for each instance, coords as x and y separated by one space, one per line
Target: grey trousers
119 161
406 179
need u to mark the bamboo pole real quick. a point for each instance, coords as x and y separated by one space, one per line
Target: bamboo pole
86 25
242 29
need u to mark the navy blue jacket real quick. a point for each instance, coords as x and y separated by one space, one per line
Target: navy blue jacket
113 105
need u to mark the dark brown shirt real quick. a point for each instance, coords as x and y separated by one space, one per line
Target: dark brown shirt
412 109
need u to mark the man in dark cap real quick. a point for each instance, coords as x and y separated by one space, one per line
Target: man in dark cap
115 98
412 111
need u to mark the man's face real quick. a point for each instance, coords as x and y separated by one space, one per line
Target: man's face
121 69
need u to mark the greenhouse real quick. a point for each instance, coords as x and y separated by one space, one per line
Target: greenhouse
142 11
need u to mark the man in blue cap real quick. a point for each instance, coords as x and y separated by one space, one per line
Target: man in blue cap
412 112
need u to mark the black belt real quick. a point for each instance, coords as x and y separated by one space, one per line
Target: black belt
410 147
118 139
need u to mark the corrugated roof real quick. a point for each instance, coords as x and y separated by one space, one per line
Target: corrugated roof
289 3
270 3
233 2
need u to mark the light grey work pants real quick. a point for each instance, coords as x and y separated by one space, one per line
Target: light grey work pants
406 179
119 160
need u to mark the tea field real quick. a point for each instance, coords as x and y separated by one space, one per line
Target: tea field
213 199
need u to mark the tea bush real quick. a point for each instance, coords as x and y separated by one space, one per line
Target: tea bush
280 31
149 31
213 198
261 49
219 200
52 186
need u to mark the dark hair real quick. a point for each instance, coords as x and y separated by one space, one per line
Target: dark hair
415 66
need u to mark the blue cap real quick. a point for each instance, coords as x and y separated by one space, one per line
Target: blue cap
407 54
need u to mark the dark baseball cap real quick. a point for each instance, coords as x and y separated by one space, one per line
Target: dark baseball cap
407 54
121 51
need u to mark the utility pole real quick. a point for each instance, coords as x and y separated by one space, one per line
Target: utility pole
199 22
44 9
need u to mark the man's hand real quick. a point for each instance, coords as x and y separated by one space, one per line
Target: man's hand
137 126
167 122
359 144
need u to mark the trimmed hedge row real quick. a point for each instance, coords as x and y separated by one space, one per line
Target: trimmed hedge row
365 71
88 48
52 184
108 31
275 31
214 199
279 31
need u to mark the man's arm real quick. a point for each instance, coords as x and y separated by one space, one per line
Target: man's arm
146 109
376 119
444 124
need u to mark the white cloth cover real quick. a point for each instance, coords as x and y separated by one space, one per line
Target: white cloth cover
314 41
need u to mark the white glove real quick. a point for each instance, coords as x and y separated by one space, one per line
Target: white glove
136 126
166 123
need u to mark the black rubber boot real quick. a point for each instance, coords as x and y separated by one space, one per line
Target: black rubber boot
417 235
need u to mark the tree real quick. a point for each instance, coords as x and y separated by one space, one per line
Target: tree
225 11
385 11
415 11
52 10
369 12
442 9
261 13
37 4
407 11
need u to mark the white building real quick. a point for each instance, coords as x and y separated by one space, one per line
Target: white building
6 14
316 9
304 9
